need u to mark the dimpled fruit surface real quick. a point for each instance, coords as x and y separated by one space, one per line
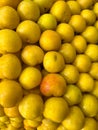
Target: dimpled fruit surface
48 64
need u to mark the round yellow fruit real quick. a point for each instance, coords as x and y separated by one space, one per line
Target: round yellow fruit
74 7
10 42
70 73
89 16
92 52
73 95
95 89
32 55
50 41
53 61
82 62
77 20
79 43
74 120
85 82
25 30
91 34
10 93
28 10
95 9
94 70
7 15
10 66
56 109
31 106
30 78
61 11
10 3
66 32
96 24
89 105
47 21
90 124
85 3
68 52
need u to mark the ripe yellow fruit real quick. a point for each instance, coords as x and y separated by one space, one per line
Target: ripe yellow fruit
10 93
91 34
95 9
56 109
89 105
73 95
29 53
96 24
50 40
79 43
74 7
61 11
53 61
47 21
95 89
85 82
68 52
70 73
77 20
10 3
10 42
66 32
94 70
7 15
85 3
74 120
89 16
44 5
28 10
92 52
31 106
90 124
82 62
30 77
29 31
10 66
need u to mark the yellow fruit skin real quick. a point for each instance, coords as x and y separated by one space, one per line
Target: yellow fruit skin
10 93
28 10
66 32
29 31
31 81
56 109
56 60
10 42
85 82
89 105
61 11
10 66
7 14
70 54
75 119
29 53
50 41
10 3
31 106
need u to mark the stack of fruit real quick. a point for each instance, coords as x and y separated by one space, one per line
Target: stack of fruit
48 64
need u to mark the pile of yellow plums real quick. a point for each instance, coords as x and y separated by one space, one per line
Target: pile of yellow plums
48 64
